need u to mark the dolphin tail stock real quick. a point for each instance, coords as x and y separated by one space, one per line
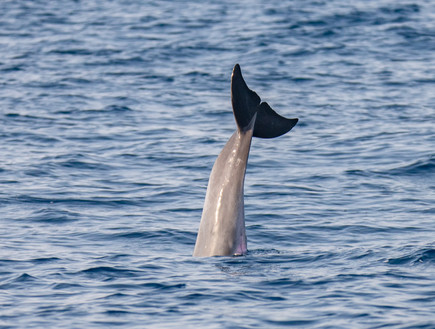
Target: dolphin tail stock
246 104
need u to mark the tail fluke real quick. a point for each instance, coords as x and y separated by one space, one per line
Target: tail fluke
246 103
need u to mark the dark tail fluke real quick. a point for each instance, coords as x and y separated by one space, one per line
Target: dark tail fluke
246 103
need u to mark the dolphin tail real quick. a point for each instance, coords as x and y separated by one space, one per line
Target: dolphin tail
247 104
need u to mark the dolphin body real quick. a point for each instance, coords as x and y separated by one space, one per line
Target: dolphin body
222 228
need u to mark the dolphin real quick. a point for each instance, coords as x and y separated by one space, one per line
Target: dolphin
222 227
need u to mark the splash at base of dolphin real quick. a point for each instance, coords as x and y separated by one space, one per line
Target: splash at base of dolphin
222 228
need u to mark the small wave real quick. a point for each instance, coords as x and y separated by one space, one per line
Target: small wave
181 236
263 252
117 313
422 167
80 162
427 256
78 81
196 73
12 68
292 323
54 216
97 201
355 17
164 286
419 167
116 108
108 272
112 109
64 285
25 278
197 296
71 51
421 256
44 260
83 165
131 61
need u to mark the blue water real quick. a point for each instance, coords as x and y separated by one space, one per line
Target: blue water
112 114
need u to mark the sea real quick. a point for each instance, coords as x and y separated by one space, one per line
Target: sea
112 114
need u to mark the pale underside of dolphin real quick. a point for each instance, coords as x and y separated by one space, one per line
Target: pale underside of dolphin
222 228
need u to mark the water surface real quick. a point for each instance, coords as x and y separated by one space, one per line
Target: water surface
112 114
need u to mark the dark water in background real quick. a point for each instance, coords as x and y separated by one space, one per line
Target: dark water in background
112 114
